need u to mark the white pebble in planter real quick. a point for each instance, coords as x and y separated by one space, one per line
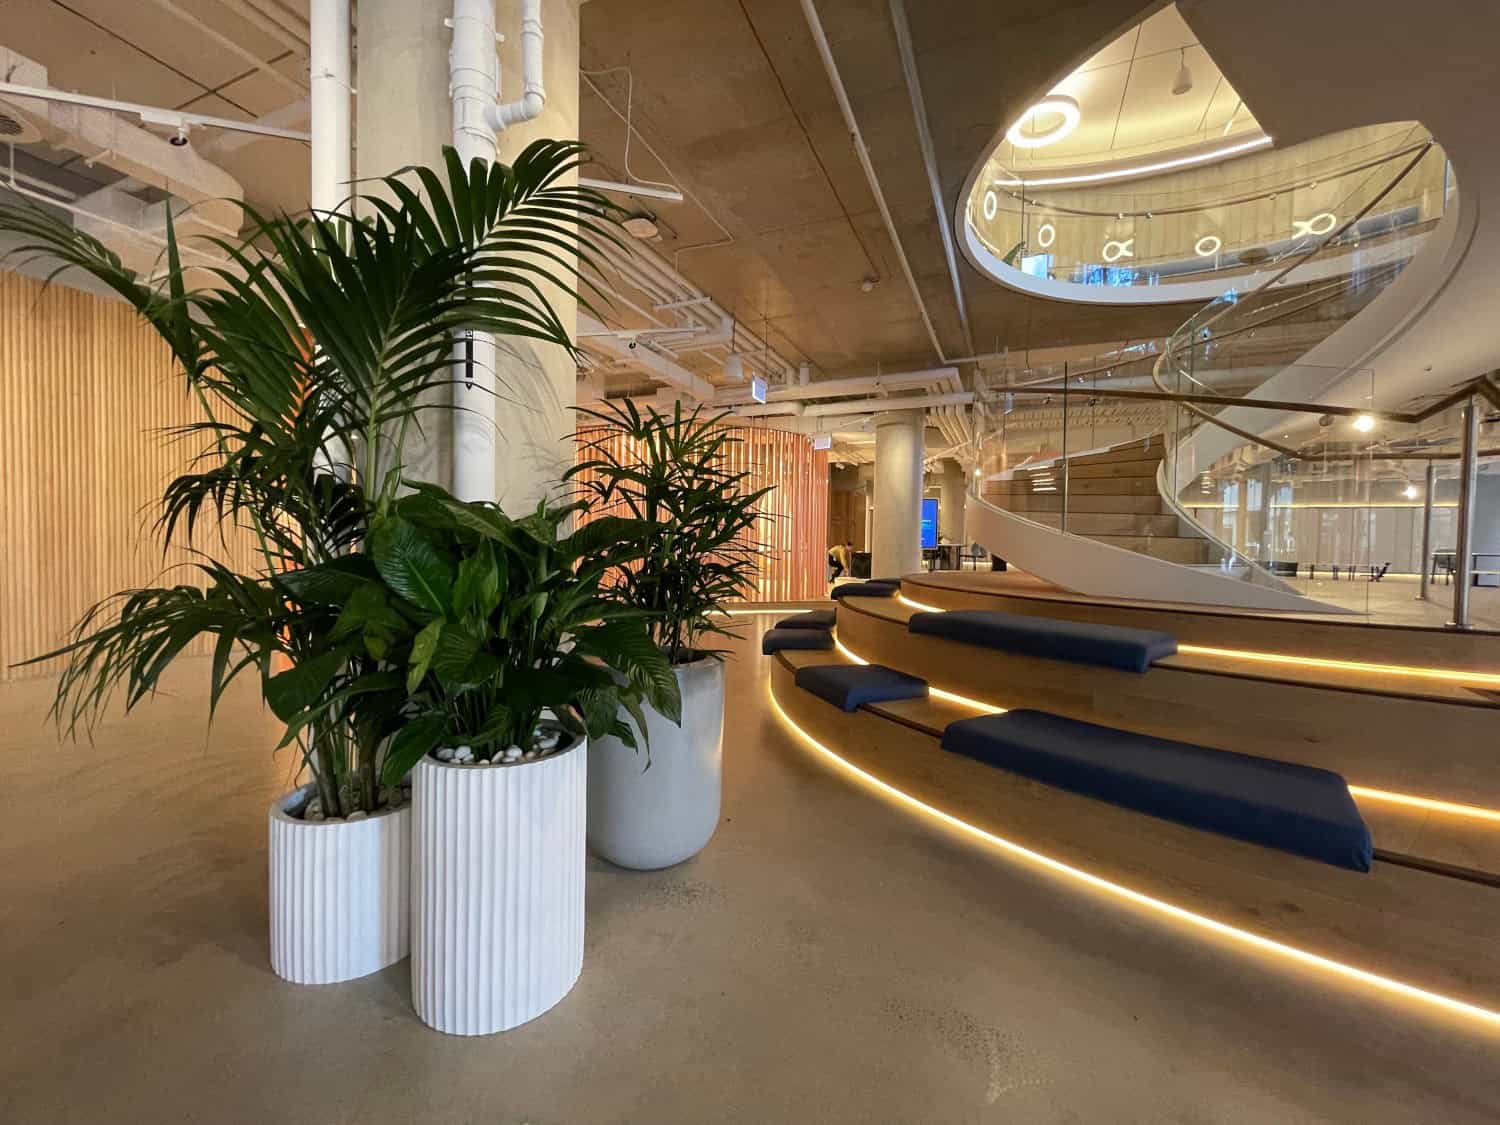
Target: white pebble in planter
497 889
340 893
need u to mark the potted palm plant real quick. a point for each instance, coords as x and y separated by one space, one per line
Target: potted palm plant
518 661
312 356
692 549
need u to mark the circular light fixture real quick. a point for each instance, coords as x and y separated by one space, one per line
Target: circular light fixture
1058 105
1410 492
1208 246
1046 235
991 204
1364 423
1319 224
1115 249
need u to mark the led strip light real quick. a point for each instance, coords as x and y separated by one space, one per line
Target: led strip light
1116 890
1431 804
1447 675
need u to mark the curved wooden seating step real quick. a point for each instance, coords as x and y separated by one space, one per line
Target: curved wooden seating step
851 686
1282 805
1080 642
1330 638
1429 738
775 640
812 619
1425 929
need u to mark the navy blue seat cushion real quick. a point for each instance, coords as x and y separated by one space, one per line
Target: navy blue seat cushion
1113 646
851 685
1296 808
812 619
865 590
777 639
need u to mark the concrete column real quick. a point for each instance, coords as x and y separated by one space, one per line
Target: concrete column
405 116
899 448
953 487
538 382
402 117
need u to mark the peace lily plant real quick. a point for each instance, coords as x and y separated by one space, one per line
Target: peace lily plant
384 618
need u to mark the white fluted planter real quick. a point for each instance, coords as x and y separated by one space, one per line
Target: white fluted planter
340 893
497 889
651 818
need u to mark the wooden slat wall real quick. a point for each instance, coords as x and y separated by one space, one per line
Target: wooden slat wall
793 518
85 388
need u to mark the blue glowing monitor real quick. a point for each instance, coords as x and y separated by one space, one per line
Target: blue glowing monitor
929 523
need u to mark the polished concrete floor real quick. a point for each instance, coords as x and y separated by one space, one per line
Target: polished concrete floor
828 958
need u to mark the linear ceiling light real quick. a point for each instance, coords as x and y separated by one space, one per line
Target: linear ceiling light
1059 105
1141 169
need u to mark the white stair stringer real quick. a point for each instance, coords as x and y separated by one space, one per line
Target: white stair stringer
1086 566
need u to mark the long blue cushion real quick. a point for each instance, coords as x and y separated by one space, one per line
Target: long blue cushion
1112 646
777 639
1296 808
812 619
865 590
851 685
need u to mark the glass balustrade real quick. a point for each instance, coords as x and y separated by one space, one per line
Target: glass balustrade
1380 192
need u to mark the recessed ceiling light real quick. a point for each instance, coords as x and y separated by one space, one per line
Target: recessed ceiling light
1056 105
1364 423
1410 492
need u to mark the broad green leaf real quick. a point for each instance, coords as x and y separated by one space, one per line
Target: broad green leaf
411 565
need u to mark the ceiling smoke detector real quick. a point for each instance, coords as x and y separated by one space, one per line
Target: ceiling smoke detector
641 225
1183 83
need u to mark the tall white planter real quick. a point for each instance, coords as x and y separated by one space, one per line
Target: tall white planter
340 893
497 889
649 818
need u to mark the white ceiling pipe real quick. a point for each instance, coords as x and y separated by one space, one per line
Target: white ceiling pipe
473 82
534 96
860 384
641 261
770 410
149 113
929 162
596 337
331 104
898 402
861 150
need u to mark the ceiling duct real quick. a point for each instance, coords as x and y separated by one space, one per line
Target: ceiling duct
203 197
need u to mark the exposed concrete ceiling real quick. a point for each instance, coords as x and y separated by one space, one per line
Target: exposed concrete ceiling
780 225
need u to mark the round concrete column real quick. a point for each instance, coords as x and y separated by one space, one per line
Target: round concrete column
952 490
405 116
402 117
899 448
538 382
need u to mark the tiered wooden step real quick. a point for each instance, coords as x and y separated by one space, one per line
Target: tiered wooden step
1112 497
1416 926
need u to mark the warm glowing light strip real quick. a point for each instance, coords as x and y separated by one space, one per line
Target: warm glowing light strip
1141 169
919 605
1429 803
1449 675
1197 921
937 693
1432 804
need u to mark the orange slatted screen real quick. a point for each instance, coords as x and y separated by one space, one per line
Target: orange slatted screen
793 519
85 390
